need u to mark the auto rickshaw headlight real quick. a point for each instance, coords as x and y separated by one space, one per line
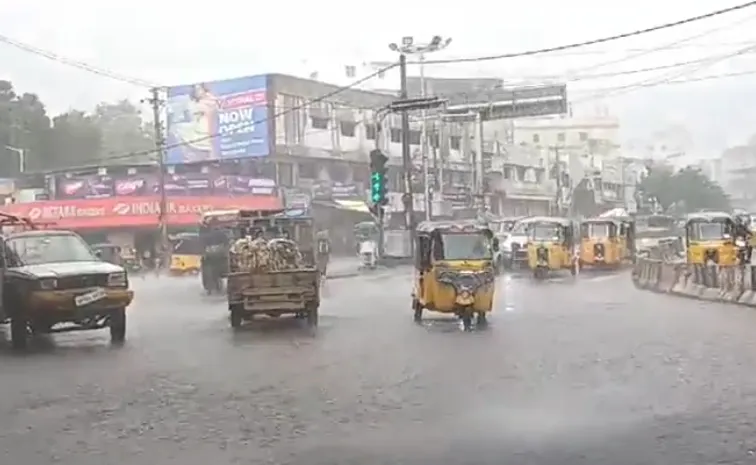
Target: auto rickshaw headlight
48 284
117 280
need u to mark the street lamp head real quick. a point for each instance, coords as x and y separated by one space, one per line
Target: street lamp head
407 41
446 42
393 47
436 41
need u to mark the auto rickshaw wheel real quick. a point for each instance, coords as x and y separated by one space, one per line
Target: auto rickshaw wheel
418 317
117 325
539 273
482 320
235 316
467 320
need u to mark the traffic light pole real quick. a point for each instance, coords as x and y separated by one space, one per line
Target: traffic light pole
380 208
409 221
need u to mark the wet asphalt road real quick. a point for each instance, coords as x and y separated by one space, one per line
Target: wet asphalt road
570 372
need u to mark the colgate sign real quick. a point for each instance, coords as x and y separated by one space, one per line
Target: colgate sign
132 211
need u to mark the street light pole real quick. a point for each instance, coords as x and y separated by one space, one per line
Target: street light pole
409 47
21 157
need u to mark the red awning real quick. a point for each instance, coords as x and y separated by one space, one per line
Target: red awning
127 212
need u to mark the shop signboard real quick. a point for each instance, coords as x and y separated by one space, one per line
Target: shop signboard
140 185
125 212
217 120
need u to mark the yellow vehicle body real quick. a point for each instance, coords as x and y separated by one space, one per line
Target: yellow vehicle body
183 264
186 257
454 270
601 244
550 245
709 239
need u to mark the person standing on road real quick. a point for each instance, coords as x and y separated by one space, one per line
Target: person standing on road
324 251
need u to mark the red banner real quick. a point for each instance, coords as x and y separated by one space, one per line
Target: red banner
132 211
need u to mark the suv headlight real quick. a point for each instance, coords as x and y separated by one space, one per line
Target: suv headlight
48 284
117 280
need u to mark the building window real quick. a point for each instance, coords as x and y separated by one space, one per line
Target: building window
370 131
415 137
536 138
351 71
347 128
455 142
560 137
434 140
286 174
319 123
308 170
583 136
396 135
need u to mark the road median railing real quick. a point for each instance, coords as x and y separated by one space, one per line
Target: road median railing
733 284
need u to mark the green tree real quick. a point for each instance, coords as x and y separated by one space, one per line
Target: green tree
687 190
72 139
23 125
123 132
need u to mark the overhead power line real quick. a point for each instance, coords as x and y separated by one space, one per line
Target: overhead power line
74 63
601 40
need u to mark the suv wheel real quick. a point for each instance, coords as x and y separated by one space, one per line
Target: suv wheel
117 326
19 331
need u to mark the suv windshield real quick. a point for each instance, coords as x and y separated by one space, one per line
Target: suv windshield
467 247
53 248
519 229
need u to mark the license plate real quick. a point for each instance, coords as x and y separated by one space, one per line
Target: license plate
89 297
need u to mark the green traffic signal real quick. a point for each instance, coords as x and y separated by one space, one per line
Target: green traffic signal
377 188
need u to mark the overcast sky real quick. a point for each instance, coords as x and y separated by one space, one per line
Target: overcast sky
172 43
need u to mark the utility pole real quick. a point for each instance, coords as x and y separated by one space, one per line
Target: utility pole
156 102
409 221
558 170
409 47
424 143
479 171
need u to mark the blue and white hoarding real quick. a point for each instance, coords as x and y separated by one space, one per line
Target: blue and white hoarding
217 120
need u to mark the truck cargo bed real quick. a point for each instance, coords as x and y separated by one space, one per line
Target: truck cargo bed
274 292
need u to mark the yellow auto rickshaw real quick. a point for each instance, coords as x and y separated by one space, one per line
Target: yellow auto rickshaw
605 242
710 239
186 254
551 245
454 270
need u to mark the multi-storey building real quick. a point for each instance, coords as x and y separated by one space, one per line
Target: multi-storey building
738 171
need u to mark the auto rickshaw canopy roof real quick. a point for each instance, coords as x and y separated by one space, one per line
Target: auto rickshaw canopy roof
602 220
708 217
427 227
561 221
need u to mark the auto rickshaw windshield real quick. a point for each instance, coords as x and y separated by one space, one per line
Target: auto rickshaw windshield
519 229
545 232
466 246
710 231
597 230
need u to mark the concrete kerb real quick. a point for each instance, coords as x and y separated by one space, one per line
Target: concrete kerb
734 284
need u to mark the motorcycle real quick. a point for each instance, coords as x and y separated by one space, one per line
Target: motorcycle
368 255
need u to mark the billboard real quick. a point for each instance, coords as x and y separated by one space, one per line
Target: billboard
136 185
217 120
